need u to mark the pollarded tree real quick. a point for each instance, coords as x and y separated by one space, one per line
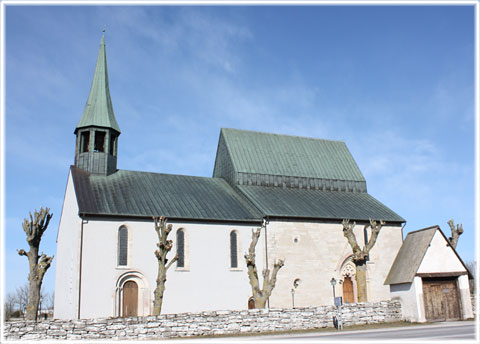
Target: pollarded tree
164 246
34 228
360 255
260 295
456 232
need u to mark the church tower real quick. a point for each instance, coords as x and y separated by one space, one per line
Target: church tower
97 132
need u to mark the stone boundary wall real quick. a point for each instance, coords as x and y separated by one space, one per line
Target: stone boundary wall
204 323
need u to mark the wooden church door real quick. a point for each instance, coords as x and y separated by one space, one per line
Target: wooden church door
130 299
348 290
251 303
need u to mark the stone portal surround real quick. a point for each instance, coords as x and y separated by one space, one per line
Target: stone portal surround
204 323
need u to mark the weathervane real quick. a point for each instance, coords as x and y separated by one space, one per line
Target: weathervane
104 28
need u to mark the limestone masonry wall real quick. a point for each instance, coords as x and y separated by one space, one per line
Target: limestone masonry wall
204 323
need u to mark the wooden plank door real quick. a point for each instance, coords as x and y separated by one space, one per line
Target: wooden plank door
348 290
450 294
130 299
441 300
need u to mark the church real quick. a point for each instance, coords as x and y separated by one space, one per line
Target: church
302 187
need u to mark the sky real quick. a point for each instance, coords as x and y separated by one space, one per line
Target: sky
395 83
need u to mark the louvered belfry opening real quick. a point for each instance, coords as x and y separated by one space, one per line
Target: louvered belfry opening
99 141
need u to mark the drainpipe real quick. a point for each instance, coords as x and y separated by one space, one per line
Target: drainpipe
80 265
403 228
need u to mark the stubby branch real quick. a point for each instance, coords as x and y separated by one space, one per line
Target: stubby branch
348 233
456 232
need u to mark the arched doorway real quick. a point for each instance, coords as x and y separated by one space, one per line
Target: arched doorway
143 292
348 280
251 303
130 299
348 290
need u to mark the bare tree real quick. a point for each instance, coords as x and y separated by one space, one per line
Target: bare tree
472 268
34 228
21 298
9 306
260 295
456 232
360 255
43 299
50 301
164 246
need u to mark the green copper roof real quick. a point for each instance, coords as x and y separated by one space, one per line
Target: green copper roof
291 203
145 194
99 110
285 155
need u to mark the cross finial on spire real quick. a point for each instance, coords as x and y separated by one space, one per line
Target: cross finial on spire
104 28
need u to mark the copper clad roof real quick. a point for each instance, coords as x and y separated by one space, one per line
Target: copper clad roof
99 109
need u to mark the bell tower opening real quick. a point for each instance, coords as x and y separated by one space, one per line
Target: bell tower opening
84 141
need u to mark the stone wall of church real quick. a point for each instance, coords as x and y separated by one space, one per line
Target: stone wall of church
205 323
315 252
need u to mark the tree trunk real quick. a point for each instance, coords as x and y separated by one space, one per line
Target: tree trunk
361 277
159 290
260 302
164 246
33 299
260 295
360 255
38 265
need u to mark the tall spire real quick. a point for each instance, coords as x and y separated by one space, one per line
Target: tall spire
99 110
97 132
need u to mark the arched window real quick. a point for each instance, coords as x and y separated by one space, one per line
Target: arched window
233 250
122 245
181 248
365 238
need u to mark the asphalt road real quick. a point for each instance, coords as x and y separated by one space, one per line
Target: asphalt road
451 331
435 332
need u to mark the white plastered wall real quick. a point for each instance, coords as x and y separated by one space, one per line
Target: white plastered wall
206 283
410 296
440 257
316 257
67 257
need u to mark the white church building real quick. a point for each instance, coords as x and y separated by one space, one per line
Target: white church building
303 187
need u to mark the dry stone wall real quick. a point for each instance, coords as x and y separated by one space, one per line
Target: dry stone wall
204 323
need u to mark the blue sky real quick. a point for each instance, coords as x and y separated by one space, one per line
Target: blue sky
396 83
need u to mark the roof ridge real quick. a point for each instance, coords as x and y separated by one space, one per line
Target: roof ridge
162 173
424 229
277 134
